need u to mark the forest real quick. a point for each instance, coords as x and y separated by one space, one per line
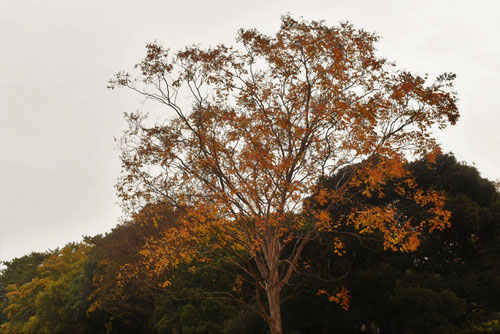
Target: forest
450 284
292 184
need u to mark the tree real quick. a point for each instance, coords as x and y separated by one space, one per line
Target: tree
18 271
449 284
262 124
125 303
50 302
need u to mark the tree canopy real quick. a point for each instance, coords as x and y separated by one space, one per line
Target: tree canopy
252 130
448 285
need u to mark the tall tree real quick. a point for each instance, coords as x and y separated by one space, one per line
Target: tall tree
262 124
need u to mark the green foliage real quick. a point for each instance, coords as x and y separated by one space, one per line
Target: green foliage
197 300
450 283
122 305
19 271
48 303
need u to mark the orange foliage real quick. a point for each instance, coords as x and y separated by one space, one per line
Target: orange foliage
265 121
342 297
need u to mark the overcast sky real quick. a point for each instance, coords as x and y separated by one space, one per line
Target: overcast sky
58 161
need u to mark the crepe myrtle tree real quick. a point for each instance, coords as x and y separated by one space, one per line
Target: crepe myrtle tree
248 132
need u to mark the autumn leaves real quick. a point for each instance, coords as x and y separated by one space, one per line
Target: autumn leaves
265 121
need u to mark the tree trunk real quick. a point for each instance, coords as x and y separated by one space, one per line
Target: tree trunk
273 285
273 297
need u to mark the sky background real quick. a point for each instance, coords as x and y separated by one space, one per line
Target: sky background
58 160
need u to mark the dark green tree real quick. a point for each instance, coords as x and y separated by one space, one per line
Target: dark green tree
18 271
450 283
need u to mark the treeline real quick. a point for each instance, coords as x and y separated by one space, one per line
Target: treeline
103 284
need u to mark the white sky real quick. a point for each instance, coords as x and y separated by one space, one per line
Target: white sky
58 162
